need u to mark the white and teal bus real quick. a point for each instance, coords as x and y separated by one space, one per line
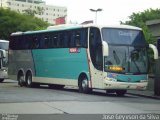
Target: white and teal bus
113 58
3 59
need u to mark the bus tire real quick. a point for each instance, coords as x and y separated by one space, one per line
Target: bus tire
20 78
83 84
121 92
29 82
1 80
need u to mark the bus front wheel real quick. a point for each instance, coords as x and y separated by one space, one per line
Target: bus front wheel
83 85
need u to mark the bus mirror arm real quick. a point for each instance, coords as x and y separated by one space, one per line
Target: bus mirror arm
154 48
105 48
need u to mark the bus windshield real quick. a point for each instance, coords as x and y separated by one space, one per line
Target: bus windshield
127 51
123 36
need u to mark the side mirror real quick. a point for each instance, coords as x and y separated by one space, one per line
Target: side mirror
154 48
105 48
3 53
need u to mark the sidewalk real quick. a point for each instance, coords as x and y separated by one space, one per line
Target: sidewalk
145 93
149 93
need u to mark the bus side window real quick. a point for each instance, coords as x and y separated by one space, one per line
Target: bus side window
50 41
12 44
77 38
81 38
17 43
72 39
65 41
69 38
25 42
36 43
60 39
46 42
41 40
55 40
29 41
84 33
20 43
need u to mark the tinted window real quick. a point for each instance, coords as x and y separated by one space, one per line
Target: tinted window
12 43
78 38
96 48
123 36
56 39
27 42
16 43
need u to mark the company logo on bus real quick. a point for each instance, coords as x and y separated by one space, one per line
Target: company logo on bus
74 50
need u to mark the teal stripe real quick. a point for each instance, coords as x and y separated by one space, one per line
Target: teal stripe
131 78
60 63
127 78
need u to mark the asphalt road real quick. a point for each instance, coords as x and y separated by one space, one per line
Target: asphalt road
10 92
44 100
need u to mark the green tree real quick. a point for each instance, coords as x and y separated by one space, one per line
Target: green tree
40 11
139 20
29 12
11 21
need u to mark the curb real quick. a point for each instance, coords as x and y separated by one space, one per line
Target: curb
147 96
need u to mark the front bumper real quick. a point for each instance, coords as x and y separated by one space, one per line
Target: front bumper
125 85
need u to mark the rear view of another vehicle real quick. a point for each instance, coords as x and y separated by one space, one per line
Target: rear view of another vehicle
3 60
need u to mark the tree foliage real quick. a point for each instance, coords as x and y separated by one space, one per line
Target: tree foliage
37 11
139 20
11 21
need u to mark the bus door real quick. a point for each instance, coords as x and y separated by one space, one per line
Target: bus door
95 50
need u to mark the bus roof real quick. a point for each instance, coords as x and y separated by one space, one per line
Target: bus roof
75 26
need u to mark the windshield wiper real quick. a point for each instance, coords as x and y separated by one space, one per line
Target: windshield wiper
116 57
135 55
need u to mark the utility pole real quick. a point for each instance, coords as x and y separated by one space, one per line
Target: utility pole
1 3
97 10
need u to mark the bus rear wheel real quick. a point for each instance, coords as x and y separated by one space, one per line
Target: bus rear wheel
121 92
83 85
21 80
